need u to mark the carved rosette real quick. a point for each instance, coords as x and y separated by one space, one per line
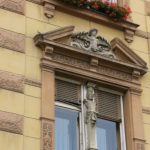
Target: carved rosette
47 134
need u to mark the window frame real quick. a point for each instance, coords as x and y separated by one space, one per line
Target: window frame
82 125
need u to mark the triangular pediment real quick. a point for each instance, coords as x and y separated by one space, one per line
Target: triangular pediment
126 54
92 45
61 35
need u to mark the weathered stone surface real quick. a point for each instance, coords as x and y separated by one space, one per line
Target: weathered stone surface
13 5
11 122
47 134
11 81
12 40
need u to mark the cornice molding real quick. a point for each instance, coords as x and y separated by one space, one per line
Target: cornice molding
11 81
12 40
10 122
17 6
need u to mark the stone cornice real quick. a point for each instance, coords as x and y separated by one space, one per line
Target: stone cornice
40 42
10 122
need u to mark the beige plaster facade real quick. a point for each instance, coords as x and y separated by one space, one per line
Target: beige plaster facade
24 81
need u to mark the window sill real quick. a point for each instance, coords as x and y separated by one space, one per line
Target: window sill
129 28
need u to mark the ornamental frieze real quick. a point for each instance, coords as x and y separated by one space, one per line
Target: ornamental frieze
10 122
86 66
71 61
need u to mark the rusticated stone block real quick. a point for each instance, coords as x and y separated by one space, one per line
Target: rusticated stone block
11 81
13 5
12 40
11 122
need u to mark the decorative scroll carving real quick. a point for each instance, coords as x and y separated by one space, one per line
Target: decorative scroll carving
47 131
49 9
91 42
13 5
11 81
12 40
11 122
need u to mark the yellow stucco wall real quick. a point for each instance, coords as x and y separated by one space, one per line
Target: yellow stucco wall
27 64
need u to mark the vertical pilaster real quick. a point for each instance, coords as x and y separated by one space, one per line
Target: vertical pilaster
133 120
47 110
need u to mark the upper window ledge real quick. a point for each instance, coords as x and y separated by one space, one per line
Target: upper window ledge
129 28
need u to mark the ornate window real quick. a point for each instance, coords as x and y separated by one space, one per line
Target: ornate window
106 90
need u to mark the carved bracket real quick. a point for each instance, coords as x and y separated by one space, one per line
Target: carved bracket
49 9
129 35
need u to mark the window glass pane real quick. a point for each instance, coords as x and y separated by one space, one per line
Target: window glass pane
66 129
106 135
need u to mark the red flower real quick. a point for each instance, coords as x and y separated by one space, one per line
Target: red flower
95 5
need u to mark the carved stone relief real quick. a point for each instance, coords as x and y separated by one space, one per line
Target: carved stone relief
11 81
91 42
47 137
90 116
13 5
11 122
12 40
